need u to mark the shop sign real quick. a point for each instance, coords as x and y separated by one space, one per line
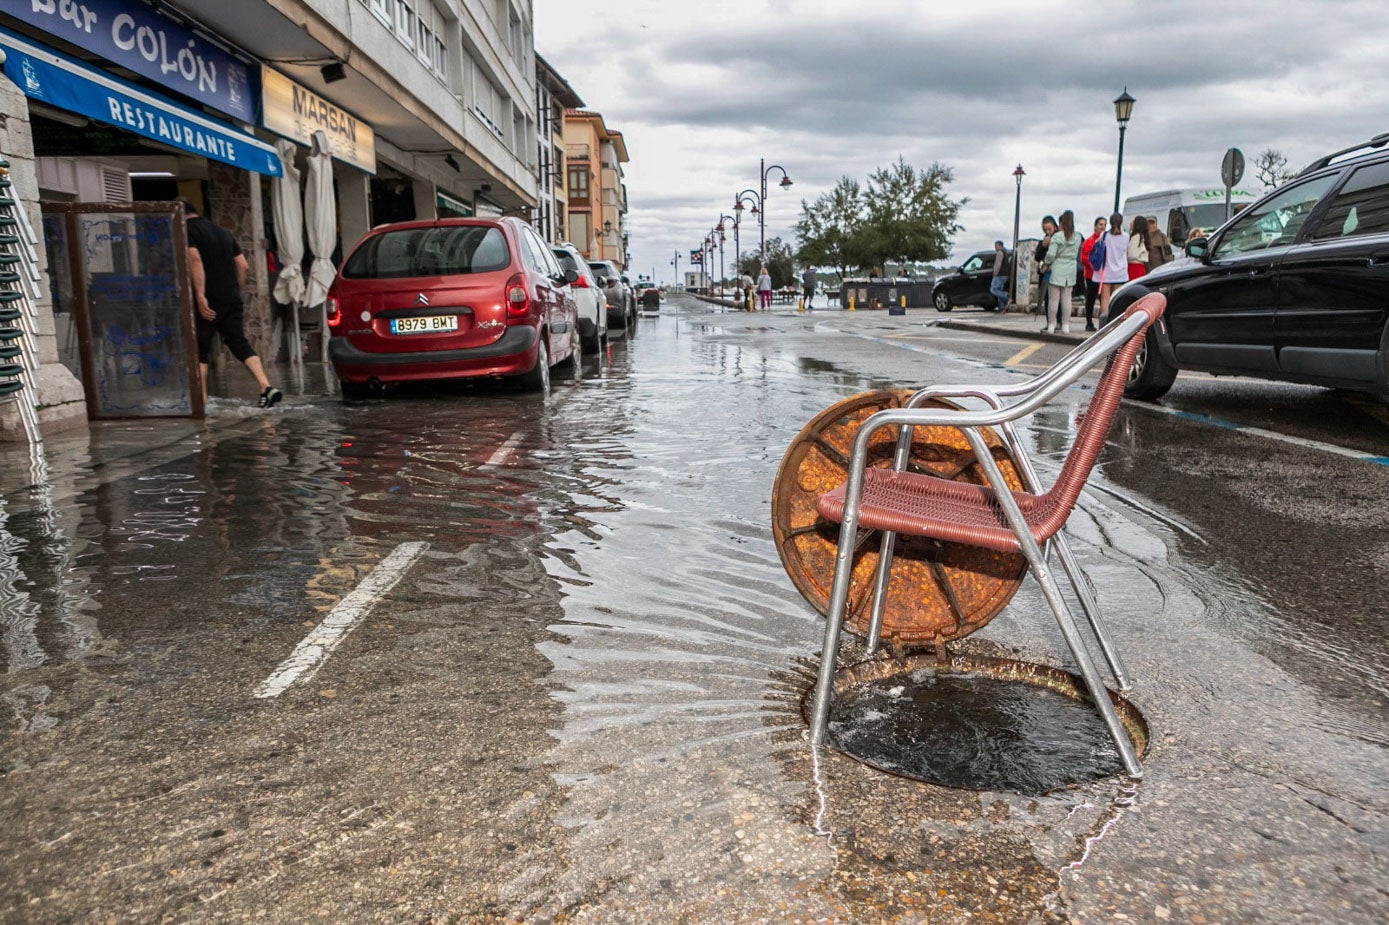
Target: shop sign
296 113
131 34
449 207
64 83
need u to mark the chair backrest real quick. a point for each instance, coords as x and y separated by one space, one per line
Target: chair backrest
1098 418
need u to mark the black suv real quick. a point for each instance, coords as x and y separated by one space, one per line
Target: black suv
1295 287
969 285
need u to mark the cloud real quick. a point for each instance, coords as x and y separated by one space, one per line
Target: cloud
829 89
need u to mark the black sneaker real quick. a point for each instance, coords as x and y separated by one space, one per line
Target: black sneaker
270 397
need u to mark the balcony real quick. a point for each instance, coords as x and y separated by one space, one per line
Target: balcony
577 152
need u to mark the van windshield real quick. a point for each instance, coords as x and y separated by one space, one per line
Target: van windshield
1207 217
444 251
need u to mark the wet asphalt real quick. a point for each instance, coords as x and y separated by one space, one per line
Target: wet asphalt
581 702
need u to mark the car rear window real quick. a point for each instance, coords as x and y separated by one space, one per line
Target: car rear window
567 261
600 270
442 251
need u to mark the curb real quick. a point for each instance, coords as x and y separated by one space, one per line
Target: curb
1005 330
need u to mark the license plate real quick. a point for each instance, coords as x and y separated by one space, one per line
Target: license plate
427 324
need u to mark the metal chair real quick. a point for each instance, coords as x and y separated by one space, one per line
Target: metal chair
896 501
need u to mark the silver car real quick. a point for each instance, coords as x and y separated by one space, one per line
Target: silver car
622 305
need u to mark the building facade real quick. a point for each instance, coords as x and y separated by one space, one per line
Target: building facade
553 97
597 195
428 108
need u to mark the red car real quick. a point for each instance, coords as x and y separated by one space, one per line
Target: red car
451 299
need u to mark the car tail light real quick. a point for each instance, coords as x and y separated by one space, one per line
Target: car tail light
518 299
333 313
580 283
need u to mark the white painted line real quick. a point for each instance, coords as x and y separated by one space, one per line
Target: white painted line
505 450
303 663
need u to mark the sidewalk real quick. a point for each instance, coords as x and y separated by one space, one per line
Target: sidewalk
1009 324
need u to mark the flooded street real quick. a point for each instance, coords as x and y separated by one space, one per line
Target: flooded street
581 700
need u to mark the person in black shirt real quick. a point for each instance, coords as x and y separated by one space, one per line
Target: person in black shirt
219 270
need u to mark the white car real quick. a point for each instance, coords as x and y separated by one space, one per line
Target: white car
593 304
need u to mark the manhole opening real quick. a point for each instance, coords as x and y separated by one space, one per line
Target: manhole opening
976 723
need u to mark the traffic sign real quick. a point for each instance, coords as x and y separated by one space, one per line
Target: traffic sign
1232 167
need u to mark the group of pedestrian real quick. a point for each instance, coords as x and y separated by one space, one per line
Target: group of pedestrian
809 281
1107 259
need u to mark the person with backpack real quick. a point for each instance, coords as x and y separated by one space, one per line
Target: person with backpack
1060 265
1110 258
1092 285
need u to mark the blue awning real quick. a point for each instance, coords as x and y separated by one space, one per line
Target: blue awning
66 83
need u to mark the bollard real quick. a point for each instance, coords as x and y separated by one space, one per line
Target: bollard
851 303
800 304
902 300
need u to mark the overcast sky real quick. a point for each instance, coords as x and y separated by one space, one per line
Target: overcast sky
703 90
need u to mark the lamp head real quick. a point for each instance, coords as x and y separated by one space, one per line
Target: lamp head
785 181
1123 107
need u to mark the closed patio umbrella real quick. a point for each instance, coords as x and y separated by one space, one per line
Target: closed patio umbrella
287 210
321 222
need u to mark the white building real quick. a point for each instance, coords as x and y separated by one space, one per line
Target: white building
429 108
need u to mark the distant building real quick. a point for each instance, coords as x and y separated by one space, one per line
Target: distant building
597 195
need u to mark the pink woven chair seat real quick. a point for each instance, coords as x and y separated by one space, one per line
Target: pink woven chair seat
956 512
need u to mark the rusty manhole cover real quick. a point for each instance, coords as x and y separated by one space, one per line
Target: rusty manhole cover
936 591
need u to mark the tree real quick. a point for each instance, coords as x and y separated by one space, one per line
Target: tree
1271 168
828 225
908 216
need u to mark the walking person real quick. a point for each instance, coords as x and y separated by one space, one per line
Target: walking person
764 289
1159 245
218 270
998 287
808 281
1092 283
746 303
1060 264
1138 248
1039 254
1115 270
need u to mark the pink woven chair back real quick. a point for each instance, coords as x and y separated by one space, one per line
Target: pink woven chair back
1096 421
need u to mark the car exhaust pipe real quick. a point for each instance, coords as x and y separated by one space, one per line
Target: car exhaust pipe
375 386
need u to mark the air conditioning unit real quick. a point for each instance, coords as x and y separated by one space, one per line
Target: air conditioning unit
84 179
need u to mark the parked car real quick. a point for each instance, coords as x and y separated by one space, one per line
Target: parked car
622 309
448 299
969 285
649 297
1295 287
588 296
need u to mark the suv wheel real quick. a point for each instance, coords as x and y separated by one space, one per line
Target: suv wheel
1151 375
942 300
538 379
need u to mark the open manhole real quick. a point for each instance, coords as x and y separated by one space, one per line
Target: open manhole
976 723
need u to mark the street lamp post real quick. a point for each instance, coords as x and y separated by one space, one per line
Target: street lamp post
1123 109
723 236
747 195
1017 214
762 218
675 262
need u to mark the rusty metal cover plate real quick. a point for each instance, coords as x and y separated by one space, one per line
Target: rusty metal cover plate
937 591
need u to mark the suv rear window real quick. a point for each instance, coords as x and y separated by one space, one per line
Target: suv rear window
429 252
601 270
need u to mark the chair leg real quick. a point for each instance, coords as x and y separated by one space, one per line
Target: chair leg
1098 693
1092 612
875 620
834 623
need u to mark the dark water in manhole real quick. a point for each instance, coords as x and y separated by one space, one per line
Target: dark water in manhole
973 731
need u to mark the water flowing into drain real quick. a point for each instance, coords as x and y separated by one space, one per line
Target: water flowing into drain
982 724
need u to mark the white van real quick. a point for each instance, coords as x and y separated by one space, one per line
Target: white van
1179 211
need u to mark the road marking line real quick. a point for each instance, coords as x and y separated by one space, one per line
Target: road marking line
505 450
1303 442
303 663
1017 358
